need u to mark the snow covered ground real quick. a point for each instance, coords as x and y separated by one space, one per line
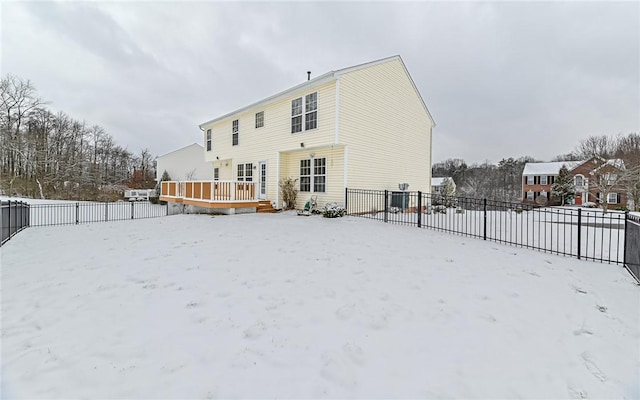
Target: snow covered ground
265 306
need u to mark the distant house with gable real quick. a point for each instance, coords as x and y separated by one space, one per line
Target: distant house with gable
537 179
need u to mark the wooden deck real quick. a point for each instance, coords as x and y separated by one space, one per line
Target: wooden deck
210 194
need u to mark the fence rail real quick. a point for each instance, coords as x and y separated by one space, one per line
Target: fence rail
14 216
17 216
584 234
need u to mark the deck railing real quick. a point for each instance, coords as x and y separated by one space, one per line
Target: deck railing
210 191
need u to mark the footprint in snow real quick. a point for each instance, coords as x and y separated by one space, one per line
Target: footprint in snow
336 369
354 353
576 393
592 367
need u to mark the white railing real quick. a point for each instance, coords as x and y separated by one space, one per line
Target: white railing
210 191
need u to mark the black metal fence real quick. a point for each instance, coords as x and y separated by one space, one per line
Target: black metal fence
84 213
14 216
585 234
632 245
18 215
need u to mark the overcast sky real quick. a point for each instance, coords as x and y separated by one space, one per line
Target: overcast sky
500 79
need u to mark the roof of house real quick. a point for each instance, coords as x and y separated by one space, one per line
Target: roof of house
438 181
614 162
181 148
329 76
548 168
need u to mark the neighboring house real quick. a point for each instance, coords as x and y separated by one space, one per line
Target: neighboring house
607 172
537 179
438 183
364 127
184 164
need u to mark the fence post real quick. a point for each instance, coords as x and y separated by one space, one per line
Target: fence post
419 209
484 207
77 213
626 232
9 219
132 203
166 208
346 198
579 231
386 206
106 211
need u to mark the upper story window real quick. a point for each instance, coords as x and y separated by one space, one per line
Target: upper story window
612 198
208 139
296 115
543 179
260 119
311 111
234 132
530 179
304 114
578 180
609 179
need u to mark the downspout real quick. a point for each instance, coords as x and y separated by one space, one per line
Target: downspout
336 139
278 182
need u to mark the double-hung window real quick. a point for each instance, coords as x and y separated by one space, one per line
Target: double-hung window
612 198
296 115
234 132
305 175
208 139
260 119
313 175
543 179
245 172
311 111
304 114
319 174
530 180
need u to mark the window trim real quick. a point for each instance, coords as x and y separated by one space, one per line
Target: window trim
530 195
216 173
306 115
235 129
305 178
313 176
546 180
260 119
609 198
530 180
247 172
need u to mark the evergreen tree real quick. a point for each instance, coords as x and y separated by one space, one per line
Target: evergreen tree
563 188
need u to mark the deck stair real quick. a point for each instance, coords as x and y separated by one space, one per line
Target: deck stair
265 206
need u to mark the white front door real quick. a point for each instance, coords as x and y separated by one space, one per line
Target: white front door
262 179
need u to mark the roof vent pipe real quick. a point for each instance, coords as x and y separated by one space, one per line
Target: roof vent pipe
308 75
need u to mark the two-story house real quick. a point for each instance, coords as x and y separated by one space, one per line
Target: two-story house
365 126
590 178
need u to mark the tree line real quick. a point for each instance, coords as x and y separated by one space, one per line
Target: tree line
46 154
503 181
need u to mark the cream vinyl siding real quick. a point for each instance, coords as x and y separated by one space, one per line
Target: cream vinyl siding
290 166
385 126
265 143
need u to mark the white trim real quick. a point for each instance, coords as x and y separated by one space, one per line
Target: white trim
345 166
336 139
277 182
328 77
266 180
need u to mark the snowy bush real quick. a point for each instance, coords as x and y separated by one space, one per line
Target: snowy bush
289 192
333 210
589 204
440 208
